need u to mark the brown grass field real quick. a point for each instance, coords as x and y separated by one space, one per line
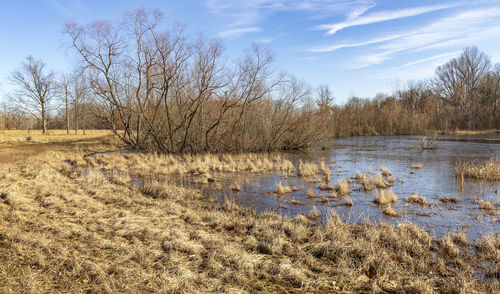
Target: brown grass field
88 228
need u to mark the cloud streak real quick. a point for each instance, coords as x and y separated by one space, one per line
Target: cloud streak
381 16
457 30
436 57
334 47
237 32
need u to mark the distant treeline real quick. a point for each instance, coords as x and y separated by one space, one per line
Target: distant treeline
464 94
164 92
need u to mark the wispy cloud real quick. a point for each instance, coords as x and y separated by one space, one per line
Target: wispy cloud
457 30
248 12
381 17
334 47
238 32
432 58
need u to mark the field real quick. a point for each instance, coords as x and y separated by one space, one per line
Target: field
74 224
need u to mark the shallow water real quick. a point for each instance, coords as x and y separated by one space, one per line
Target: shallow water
367 154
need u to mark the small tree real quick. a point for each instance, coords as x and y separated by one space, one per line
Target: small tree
325 97
35 89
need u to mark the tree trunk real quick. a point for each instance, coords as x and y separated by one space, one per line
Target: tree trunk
83 118
76 119
44 120
67 116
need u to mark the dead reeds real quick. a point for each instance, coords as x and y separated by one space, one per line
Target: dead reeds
385 197
489 170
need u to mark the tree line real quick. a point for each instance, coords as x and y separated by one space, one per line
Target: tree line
163 91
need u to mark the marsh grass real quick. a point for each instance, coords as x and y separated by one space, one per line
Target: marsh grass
489 170
429 143
385 197
92 233
390 211
280 189
416 199
307 169
416 165
368 183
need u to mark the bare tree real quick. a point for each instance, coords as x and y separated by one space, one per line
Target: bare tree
458 80
35 88
64 86
325 97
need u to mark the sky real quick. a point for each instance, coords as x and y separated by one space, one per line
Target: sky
357 48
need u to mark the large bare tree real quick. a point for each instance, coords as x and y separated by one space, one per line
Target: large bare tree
35 89
459 79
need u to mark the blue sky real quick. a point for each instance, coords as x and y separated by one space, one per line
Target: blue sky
358 47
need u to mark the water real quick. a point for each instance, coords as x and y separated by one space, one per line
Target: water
367 154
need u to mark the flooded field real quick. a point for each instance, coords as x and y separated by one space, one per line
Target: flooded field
429 173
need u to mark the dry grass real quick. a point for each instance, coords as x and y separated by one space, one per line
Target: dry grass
69 231
21 137
416 165
429 143
310 193
369 184
307 169
343 188
489 170
485 204
314 213
449 200
385 197
390 211
381 183
280 189
417 199
385 172
325 171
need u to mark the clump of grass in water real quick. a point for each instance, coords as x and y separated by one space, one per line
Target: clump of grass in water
307 169
385 172
343 188
489 170
484 204
416 165
310 193
381 183
417 199
235 187
314 213
449 199
369 184
390 211
429 143
325 171
280 189
385 197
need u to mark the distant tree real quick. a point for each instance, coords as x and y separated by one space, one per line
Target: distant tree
325 97
64 94
35 88
458 80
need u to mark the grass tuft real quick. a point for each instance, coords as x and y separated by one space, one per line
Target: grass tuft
489 170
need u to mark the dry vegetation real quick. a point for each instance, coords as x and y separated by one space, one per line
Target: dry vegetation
88 228
489 170
22 137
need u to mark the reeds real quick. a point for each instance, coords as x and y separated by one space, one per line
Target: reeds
416 199
280 189
307 169
489 170
368 183
415 165
343 188
385 197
